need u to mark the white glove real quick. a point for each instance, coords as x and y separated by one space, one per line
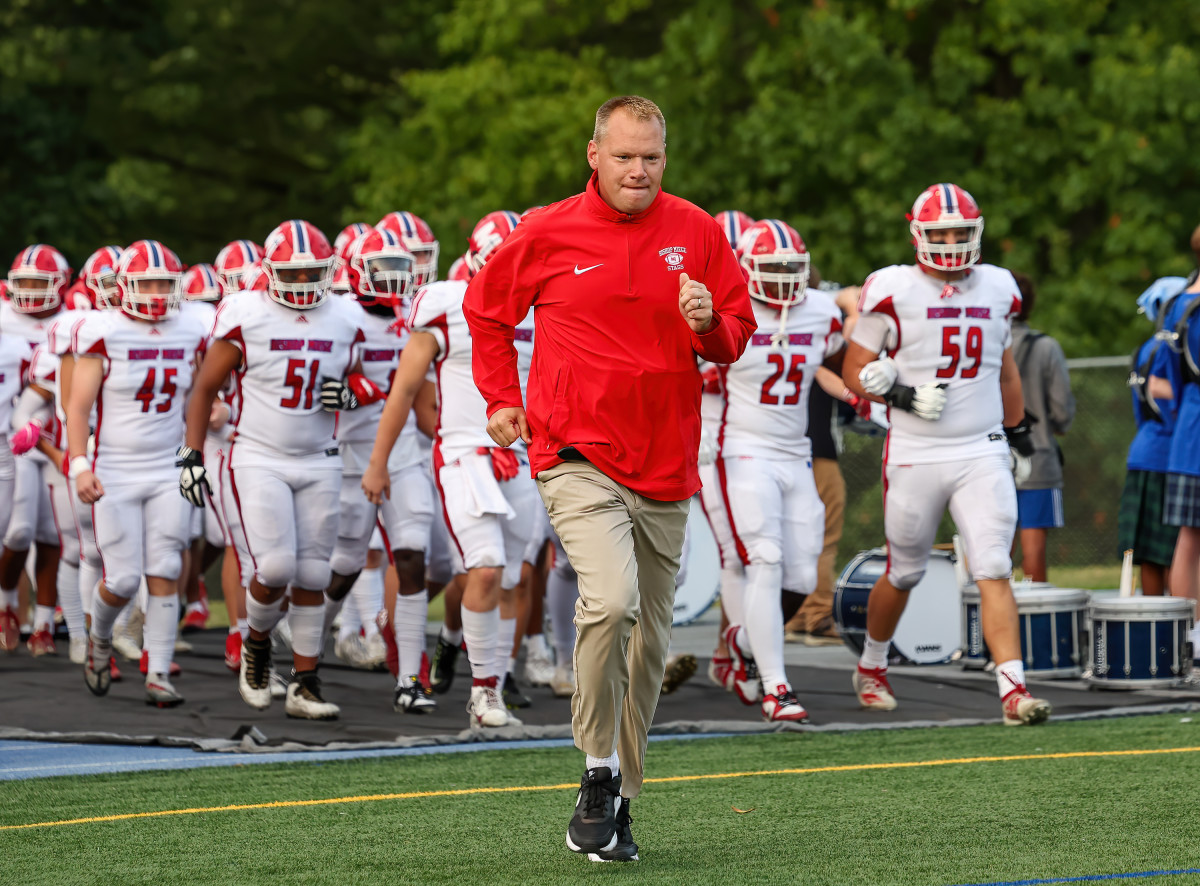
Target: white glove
878 377
1022 466
929 400
708 448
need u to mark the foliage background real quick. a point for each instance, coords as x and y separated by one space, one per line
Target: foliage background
197 121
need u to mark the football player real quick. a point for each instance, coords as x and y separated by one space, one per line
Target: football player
933 342
284 469
489 501
764 459
139 361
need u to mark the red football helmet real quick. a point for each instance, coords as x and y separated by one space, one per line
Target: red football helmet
254 278
946 207
459 270
347 235
381 271
77 298
38 278
99 276
201 283
299 264
775 261
418 239
733 223
148 280
233 261
492 230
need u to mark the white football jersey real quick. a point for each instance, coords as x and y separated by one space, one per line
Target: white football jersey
60 339
14 354
148 373
952 333
25 328
286 355
765 413
462 412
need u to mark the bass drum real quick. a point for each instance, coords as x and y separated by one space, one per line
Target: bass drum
699 581
929 632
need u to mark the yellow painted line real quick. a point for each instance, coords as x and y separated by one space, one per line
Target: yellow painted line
467 792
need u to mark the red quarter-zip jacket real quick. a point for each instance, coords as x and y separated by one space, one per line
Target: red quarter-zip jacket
614 362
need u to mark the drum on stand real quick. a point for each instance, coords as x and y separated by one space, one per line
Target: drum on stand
1140 642
929 632
699 581
1053 629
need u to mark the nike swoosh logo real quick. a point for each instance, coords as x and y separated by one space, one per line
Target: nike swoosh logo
579 270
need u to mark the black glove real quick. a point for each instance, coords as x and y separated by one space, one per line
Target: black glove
925 401
1020 437
193 479
336 395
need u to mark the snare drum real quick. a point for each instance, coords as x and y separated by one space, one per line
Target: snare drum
1140 642
1053 628
699 582
929 631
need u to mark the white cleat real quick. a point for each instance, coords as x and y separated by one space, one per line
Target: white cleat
486 710
304 699
539 669
563 684
77 649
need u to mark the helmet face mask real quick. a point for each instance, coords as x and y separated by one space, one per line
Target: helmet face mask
775 261
38 279
947 228
149 279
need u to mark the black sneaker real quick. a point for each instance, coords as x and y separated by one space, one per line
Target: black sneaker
513 696
593 827
441 666
626 849
413 698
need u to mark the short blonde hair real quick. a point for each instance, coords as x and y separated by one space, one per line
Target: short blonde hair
640 108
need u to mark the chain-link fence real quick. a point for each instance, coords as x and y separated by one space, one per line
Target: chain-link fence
1094 466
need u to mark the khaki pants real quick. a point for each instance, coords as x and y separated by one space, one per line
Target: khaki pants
831 488
626 550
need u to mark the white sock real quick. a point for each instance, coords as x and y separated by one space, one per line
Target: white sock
367 595
1010 675
535 645
89 578
44 618
12 599
451 637
350 624
610 761
306 622
263 616
409 625
244 624
733 593
481 630
562 590
158 634
68 598
764 622
104 617
505 637
875 653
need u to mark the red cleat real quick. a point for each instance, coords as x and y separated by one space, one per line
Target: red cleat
196 616
115 675
233 651
41 642
144 666
10 630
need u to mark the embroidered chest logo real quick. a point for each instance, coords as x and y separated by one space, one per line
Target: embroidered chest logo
674 257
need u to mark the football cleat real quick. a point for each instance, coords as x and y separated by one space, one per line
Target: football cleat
41 642
376 648
680 669
254 681
97 670
441 667
352 650
127 637
720 671
144 665
113 670
782 706
413 698
746 685
513 697
593 827
77 650
625 849
160 692
304 700
196 617
233 651
10 630
563 684
873 689
1022 709
485 708
539 669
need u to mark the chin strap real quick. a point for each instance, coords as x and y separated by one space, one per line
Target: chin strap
779 338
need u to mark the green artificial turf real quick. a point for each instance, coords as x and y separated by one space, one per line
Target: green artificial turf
952 824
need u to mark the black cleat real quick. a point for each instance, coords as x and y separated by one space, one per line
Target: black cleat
626 849
441 666
593 827
513 696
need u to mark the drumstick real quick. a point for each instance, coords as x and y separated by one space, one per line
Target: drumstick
1127 575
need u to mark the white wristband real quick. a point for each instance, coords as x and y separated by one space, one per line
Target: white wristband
78 465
